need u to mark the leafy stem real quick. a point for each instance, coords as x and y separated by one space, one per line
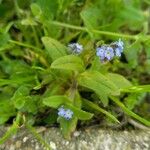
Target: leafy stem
134 37
25 45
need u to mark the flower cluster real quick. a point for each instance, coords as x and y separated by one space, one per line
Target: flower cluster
65 113
107 52
76 48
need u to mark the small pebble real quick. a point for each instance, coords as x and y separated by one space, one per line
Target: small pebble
12 147
53 145
25 139
76 133
18 144
37 147
67 142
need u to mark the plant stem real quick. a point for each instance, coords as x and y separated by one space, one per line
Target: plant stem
38 136
12 130
134 37
68 26
17 9
35 36
138 125
129 112
25 45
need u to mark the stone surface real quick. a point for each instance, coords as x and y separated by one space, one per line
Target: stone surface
90 139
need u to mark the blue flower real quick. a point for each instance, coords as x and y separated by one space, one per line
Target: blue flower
61 111
120 43
118 47
76 48
68 114
117 52
109 53
100 51
65 113
105 53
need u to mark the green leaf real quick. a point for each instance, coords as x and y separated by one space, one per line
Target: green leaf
16 79
54 48
4 41
133 16
36 10
4 38
77 100
20 96
31 104
69 62
55 101
19 102
132 52
96 65
90 20
55 89
3 119
28 22
134 99
19 72
95 107
137 89
80 114
67 126
7 108
100 84
119 80
49 8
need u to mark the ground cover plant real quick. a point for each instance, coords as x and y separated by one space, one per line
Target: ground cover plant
74 64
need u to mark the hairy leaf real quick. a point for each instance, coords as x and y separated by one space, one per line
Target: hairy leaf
69 62
100 84
55 101
54 48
